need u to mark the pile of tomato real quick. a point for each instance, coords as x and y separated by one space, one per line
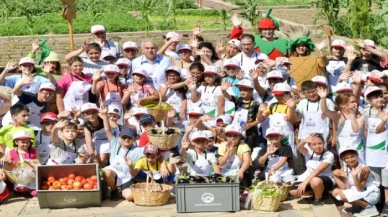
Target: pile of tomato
71 182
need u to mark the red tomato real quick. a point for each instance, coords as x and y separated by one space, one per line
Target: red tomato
78 178
64 187
70 186
77 185
93 178
88 186
57 185
51 188
83 181
44 187
70 181
46 183
71 176
51 179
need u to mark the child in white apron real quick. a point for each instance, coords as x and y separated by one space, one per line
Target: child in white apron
209 92
318 178
356 184
152 163
276 157
282 114
140 90
247 110
68 149
95 137
23 152
348 131
123 153
43 138
115 114
199 161
211 146
195 76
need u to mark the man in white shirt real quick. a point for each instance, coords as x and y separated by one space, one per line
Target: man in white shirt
248 57
154 64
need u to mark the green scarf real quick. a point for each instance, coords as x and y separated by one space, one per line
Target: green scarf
45 52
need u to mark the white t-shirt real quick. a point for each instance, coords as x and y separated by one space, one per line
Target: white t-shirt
247 63
316 160
91 67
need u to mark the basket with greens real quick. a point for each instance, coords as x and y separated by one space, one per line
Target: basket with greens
266 196
164 138
157 109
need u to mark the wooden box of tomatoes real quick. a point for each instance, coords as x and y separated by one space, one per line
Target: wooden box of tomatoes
68 186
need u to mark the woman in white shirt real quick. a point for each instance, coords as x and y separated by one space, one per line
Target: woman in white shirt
318 177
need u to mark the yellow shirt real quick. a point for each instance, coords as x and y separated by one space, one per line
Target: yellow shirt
242 148
6 135
277 108
142 164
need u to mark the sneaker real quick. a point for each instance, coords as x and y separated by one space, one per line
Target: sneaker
385 210
318 202
244 196
352 210
115 195
33 193
368 212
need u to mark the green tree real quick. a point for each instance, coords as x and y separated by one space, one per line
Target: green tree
360 22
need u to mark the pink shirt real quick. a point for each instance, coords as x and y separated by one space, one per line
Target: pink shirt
30 155
65 81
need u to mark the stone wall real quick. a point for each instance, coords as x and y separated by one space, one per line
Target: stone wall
16 47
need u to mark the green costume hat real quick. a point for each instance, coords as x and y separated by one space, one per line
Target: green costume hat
305 40
45 52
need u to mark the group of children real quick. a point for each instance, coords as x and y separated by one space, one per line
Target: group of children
243 114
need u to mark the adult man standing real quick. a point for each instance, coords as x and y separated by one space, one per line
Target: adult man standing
248 57
154 64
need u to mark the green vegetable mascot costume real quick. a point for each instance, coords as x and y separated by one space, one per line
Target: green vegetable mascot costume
267 42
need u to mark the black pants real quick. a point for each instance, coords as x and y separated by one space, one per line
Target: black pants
252 138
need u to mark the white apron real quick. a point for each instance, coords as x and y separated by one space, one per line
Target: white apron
311 165
232 166
101 142
277 120
76 95
156 75
66 158
355 140
201 167
175 100
281 173
313 122
114 98
209 102
120 167
376 153
334 69
43 147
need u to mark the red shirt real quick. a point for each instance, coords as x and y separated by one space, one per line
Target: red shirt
143 140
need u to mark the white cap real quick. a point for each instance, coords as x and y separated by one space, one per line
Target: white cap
108 54
21 134
47 86
345 149
280 88
183 47
283 60
171 34
225 119
174 69
232 62
343 87
114 108
275 74
195 110
245 83
97 28
370 90
208 133
236 43
129 44
123 61
232 128
273 131
375 79
89 106
26 60
338 43
198 135
210 70
111 68
369 43
139 72
139 111
320 80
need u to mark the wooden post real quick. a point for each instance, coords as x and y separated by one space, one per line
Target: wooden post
71 35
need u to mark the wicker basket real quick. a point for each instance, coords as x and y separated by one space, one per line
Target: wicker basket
150 193
25 178
164 142
266 203
158 112
285 187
